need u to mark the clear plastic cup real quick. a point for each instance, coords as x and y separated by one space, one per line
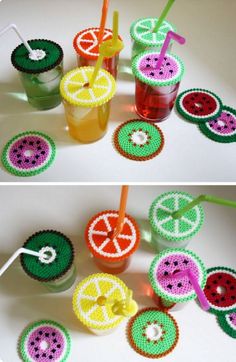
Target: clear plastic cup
63 283
40 76
144 39
112 267
87 109
87 50
156 89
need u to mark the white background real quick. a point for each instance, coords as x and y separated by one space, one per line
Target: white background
209 55
27 209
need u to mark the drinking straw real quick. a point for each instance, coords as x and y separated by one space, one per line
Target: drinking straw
26 44
124 307
170 35
103 20
15 255
122 209
208 198
115 30
201 296
163 15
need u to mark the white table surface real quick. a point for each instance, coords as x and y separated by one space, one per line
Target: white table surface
25 210
209 55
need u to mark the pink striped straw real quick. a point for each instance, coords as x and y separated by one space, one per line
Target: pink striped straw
201 296
170 35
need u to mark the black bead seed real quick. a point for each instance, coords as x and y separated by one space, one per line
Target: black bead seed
228 115
14 151
219 128
185 261
58 346
167 63
18 155
231 122
33 162
233 297
24 142
47 334
37 156
26 160
165 58
219 276
160 73
152 74
233 128
217 301
37 339
20 147
19 161
44 355
55 340
179 285
231 319
32 343
148 66
31 143
40 332
228 282
43 153
39 148
204 98
53 334
222 299
175 263
215 282
36 349
208 287
213 294
167 263
171 71
231 288
53 350
37 355
148 59
169 286
166 273
50 357
38 142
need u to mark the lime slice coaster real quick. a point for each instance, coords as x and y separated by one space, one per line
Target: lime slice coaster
75 88
28 153
98 235
199 105
48 55
220 290
60 253
45 341
162 222
144 67
223 128
138 140
228 323
141 32
86 42
169 262
153 333
86 297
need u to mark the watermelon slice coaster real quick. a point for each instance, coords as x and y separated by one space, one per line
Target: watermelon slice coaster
223 128
28 153
199 105
228 323
45 341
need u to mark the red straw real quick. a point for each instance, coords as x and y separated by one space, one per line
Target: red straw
103 20
170 35
123 202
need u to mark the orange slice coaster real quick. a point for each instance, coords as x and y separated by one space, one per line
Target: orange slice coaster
98 236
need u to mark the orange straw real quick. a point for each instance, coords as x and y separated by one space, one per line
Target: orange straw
103 20
123 202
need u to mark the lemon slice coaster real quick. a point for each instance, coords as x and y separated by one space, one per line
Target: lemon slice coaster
162 222
74 87
88 300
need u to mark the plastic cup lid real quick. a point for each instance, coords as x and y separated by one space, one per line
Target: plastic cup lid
145 69
74 87
141 31
86 42
60 253
86 295
49 53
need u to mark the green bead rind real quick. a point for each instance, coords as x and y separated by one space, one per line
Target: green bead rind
213 136
161 232
139 342
21 61
54 270
213 309
22 173
23 353
159 291
225 325
127 149
197 119
149 43
152 82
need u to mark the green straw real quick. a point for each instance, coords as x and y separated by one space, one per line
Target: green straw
163 16
209 198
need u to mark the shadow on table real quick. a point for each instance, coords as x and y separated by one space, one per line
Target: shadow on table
122 108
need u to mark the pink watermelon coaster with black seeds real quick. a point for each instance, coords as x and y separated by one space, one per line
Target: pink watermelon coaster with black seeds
223 128
220 290
199 105
45 341
228 323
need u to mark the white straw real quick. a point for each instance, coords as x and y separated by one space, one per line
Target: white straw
15 255
26 44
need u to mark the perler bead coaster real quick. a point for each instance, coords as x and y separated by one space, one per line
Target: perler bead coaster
162 222
220 290
198 105
228 323
28 153
45 341
223 128
49 55
138 140
98 236
59 249
87 294
169 262
153 333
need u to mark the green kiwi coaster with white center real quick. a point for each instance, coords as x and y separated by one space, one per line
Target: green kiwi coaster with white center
223 128
60 253
138 140
153 333
199 105
162 222
45 341
228 323
48 55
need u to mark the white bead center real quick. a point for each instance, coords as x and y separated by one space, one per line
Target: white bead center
139 137
44 345
48 255
153 332
38 54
